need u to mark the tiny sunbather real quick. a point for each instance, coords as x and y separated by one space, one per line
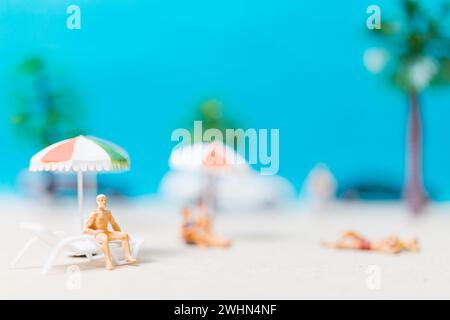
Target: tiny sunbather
97 226
197 232
354 241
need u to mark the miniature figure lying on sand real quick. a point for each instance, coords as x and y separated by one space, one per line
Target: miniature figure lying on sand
353 241
198 231
97 226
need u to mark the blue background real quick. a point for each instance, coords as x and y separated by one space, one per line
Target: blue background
142 66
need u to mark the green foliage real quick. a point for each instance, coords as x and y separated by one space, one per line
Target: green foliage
419 46
44 109
211 113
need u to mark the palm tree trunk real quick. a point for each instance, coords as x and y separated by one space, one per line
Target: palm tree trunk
414 189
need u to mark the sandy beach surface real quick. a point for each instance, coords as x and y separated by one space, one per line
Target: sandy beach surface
275 255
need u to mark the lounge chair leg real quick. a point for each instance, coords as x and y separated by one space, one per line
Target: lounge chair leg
23 251
51 260
135 248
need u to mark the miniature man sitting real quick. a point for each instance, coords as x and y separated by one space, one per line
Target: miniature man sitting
97 226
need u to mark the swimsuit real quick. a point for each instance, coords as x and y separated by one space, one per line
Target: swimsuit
365 245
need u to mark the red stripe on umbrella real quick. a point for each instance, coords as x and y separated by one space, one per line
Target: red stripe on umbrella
61 153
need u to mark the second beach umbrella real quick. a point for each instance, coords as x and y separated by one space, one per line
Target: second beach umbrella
211 160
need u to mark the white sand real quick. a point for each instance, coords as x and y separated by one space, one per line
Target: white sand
274 256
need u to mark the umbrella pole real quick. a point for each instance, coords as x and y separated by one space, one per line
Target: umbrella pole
80 198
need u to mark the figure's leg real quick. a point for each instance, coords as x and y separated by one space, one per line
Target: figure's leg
332 245
352 235
217 241
341 245
200 239
348 240
125 245
193 237
103 240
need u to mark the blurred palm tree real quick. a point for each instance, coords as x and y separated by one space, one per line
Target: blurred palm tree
45 109
210 113
415 56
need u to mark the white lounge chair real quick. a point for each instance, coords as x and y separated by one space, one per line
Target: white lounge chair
82 245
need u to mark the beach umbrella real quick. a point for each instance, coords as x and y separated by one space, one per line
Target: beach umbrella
79 155
210 160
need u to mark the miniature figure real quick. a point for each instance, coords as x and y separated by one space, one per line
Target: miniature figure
320 188
204 225
97 226
203 217
198 231
392 244
189 230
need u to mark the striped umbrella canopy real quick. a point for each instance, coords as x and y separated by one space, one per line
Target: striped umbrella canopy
79 155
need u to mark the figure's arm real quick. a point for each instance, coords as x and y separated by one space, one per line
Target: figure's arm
89 226
114 224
